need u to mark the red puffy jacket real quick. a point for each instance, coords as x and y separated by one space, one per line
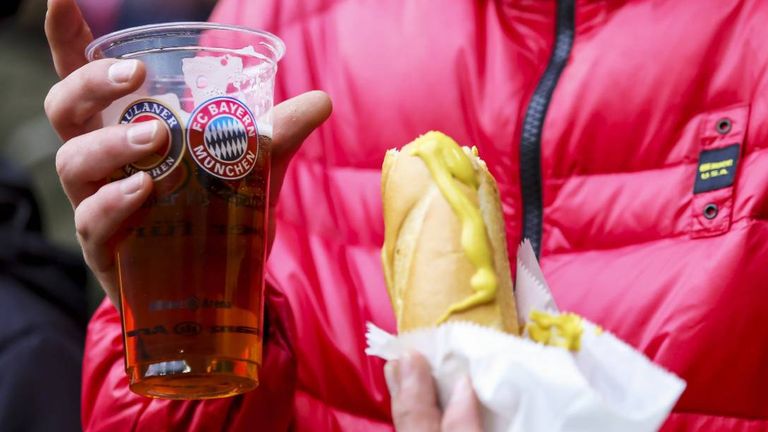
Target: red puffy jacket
629 139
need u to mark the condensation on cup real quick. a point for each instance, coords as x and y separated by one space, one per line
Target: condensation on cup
191 260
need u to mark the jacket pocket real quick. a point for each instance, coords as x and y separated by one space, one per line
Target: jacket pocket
721 139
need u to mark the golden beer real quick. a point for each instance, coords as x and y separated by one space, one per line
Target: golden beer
191 271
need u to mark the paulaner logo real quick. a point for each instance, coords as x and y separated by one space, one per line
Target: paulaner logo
165 159
222 138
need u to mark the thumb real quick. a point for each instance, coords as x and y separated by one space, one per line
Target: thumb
68 35
294 120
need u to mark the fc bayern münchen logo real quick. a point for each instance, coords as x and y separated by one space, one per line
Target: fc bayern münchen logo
165 159
223 138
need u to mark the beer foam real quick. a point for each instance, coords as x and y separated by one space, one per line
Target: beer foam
211 76
208 77
248 51
264 128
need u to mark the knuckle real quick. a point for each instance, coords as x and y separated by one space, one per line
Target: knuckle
51 106
62 162
83 226
67 103
84 87
49 102
92 213
69 163
89 254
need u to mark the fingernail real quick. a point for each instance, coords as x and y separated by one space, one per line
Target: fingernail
132 184
391 375
462 393
122 71
142 133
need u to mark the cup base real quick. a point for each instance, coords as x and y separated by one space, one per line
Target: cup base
194 378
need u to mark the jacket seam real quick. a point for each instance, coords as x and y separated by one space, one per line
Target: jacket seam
684 161
750 220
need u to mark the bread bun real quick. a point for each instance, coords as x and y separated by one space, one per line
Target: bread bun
427 265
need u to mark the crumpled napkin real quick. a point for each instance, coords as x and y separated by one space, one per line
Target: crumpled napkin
525 386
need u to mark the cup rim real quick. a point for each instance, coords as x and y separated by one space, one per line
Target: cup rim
275 44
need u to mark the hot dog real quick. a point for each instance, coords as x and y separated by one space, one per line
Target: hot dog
445 251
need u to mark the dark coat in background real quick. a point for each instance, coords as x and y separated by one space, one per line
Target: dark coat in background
42 318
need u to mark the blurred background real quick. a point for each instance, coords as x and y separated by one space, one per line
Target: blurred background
27 74
46 293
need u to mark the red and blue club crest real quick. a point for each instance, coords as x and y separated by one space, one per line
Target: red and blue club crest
222 138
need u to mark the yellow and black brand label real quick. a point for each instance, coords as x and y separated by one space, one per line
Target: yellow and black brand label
717 169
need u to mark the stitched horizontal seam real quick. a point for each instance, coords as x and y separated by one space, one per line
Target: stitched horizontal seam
685 161
616 173
749 219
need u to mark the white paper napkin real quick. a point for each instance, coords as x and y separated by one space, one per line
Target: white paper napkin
524 386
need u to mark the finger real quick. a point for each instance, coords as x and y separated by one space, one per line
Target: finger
414 404
294 120
68 35
85 161
99 217
462 412
73 103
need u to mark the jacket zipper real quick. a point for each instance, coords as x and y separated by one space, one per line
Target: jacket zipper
533 123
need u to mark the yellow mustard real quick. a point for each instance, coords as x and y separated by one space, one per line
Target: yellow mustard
450 165
563 330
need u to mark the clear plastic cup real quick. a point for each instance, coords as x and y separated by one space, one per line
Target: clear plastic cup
191 260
